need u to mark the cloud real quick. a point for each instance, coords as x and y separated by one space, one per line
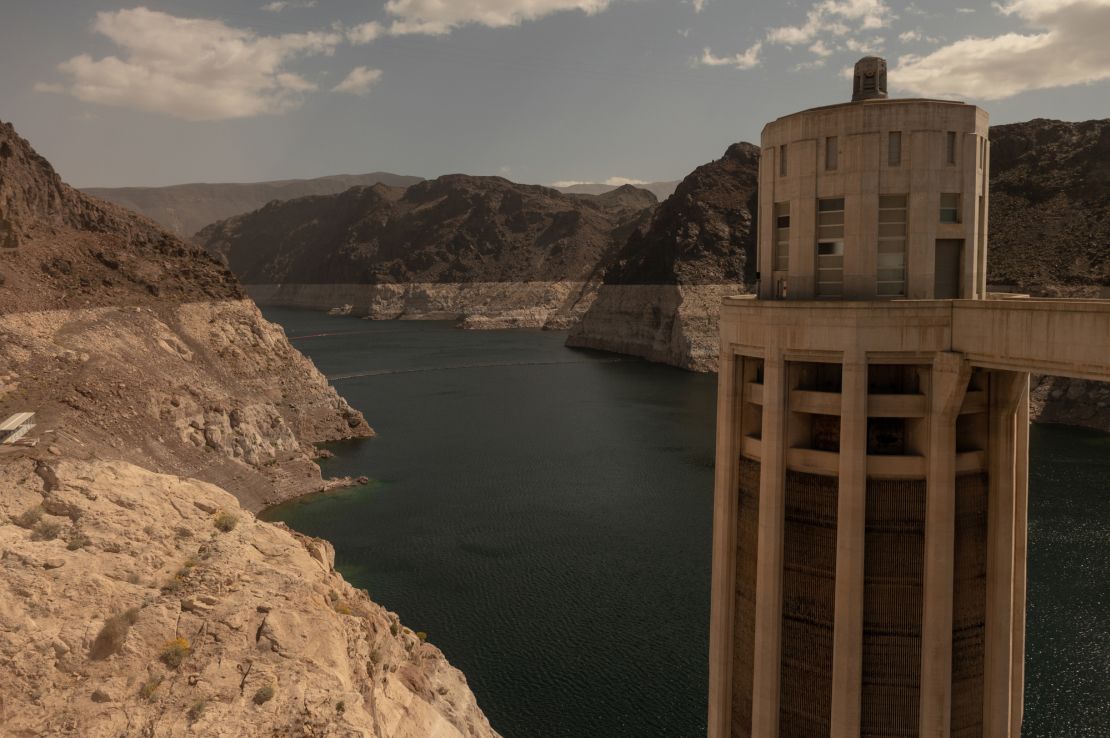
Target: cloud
827 29
279 5
193 68
438 17
744 60
832 18
364 33
1066 45
699 5
359 81
611 182
965 10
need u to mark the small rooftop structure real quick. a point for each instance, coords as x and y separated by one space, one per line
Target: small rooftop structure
15 427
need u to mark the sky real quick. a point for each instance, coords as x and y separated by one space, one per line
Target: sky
538 91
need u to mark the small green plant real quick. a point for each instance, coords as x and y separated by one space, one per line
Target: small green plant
394 628
422 636
149 687
342 608
263 695
174 652
225 521
29 517
113 633
46 530
78 541
196 710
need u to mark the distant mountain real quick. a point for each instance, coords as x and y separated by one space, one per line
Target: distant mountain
185 209
661 190
481 248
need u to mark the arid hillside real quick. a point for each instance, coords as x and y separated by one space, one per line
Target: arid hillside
139 595
457 246
185 209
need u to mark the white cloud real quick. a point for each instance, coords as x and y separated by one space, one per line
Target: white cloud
1066 45
820 49
965 10
864 46
193 68
699 5
437 17
828 27
611 182
684 32
359 81
744 60
364 33
832 18
279 5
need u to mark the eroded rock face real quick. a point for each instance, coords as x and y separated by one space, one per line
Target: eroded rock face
456 247
121 562
661 297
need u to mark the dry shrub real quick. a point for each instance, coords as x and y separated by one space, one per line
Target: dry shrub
112 635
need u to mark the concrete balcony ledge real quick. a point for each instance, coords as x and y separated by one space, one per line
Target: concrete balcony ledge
975 401
896 406
817 403
969 462
751 447
753 393
895 467
812 461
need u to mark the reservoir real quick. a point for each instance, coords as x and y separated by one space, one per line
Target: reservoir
544 514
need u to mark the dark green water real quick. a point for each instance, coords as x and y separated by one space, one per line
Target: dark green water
544 514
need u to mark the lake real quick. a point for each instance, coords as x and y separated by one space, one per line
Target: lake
544 514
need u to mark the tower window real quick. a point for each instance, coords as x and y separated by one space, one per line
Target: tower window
951 147
831 153
950 208
894 149
891 275
782 237
782 160
830 247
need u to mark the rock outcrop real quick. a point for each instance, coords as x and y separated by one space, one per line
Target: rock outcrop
458 247
131 343
136 597
185 209
134 603
1050 207
661 297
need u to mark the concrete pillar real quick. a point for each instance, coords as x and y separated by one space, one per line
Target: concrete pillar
1006 392
772 509
947 387
1021 537
730 393
847 678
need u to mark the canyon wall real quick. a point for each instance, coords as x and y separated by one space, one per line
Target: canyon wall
139 595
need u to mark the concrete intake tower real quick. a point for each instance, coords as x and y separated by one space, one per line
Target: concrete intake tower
869 534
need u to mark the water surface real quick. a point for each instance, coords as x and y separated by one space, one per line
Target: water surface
545 515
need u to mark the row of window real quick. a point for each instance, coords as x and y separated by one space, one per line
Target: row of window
893 151
891 257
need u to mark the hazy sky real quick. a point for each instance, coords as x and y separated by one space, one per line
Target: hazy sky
536 90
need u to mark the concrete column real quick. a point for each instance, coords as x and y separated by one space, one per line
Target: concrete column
1006 392
851 514
730 393
772 510
1021 536
947 387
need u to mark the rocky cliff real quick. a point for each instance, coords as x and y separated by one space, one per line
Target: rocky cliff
136 598
185 209
1049 235
1050 207
477 248
141 604
661 295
